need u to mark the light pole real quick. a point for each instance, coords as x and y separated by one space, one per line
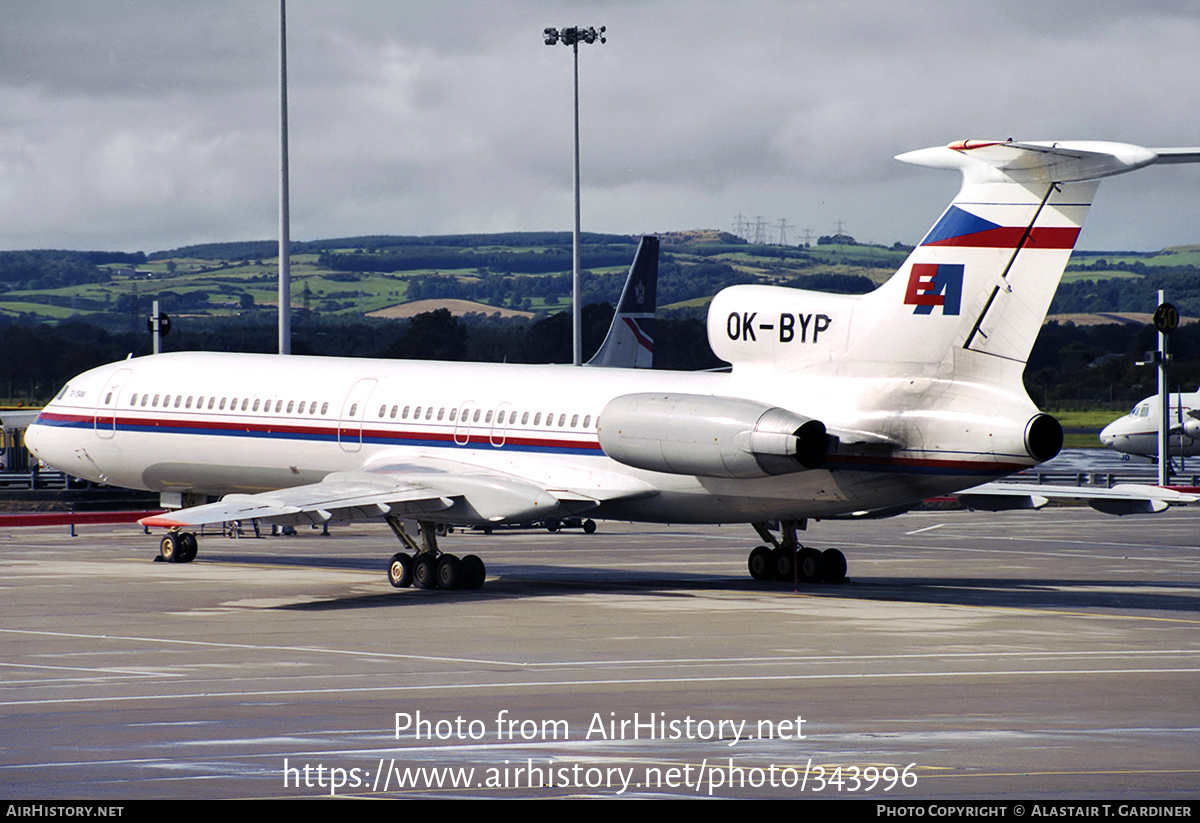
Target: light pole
571 37
285 242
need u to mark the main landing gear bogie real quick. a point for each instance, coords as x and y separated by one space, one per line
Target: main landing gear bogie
786 559
811 566
428 567
444 571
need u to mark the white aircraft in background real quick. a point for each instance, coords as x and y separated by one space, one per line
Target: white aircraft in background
835 404
1137 432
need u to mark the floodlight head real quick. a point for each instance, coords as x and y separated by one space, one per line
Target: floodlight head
550 36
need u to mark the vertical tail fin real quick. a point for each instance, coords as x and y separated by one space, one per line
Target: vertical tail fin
630 339
970 299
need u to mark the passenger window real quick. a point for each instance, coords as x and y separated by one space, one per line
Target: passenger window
178 400
325 408
145 397
256 405
475 419
488 418
453 415
441 412
587 421
394 410
429 413
562 420
525 418
211 401
245 403
537 419
382 411
133 400
289 406
417 413
500 419
404 414
155 403
574 420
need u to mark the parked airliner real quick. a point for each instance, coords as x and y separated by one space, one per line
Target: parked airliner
1137 432
835 404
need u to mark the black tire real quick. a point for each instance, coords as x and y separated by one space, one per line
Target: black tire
400 570
589 526
783 563
188 547
761 567
449 572
473 572
810 569
835 565
425 571
168 548
553 526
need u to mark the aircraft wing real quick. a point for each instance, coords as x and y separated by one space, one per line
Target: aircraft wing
1124 498
440 490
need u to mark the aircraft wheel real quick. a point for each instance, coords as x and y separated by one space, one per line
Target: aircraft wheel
449 572
168 548
783 562
473 572
835 565
761 567
400 570
188 548
425 571
553 526
810 567
589 526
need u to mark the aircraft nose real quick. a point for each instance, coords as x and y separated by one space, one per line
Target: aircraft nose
1109 437
33 436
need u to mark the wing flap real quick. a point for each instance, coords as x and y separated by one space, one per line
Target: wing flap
340 496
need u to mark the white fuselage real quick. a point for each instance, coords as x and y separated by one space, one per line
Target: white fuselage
212 424
1137 432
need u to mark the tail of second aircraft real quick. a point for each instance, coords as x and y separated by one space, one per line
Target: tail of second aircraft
969 300
630 340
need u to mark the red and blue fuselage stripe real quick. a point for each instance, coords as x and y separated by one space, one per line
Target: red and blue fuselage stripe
522 442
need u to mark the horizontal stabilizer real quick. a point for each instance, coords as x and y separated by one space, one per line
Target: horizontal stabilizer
1044 162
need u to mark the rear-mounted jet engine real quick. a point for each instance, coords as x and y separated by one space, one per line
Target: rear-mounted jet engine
710 436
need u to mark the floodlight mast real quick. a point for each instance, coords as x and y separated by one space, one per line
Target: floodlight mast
571 37
285 261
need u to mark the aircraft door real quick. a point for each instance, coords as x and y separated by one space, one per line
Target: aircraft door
354 411
106 405
500 424
462 425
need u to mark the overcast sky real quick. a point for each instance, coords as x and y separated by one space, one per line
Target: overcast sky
151 124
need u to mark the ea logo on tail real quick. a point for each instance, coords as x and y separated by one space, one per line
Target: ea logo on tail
935 284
